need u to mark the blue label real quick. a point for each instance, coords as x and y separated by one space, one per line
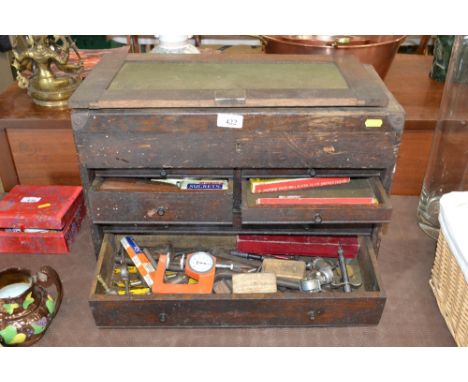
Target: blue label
205 186
132 244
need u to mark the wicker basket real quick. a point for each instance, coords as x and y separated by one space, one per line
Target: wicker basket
451 291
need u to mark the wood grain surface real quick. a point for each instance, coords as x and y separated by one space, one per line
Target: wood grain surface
44 156
408 80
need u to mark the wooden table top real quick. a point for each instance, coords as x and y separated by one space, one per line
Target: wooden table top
420 96
16 104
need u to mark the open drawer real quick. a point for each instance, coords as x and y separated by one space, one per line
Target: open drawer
362 306
362 200
145 200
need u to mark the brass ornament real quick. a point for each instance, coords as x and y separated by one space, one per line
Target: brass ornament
53 78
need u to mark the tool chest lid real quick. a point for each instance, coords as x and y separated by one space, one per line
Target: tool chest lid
41 207
255 80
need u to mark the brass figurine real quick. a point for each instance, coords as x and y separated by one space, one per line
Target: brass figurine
46 85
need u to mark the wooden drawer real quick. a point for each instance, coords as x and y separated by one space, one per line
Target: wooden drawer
367 187
269 138
361 307
140 201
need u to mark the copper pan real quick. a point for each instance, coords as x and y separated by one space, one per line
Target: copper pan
378 51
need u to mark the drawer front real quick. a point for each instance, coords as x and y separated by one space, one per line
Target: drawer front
267 139
379 212
359 310
178 207
362 307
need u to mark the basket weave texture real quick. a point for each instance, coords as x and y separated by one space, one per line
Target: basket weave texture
451 291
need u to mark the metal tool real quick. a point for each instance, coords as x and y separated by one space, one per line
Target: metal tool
310 285
105 286
200 266
236 267
124 275
250 256
323 270
132 283
247 256
344 271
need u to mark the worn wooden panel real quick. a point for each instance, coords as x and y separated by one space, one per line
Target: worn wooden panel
260 312
143 207
257 214
44 156
100 93
363 307
268 139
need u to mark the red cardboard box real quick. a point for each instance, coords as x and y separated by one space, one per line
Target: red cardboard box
40 219
324 246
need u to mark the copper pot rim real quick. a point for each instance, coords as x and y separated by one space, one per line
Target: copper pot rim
286 39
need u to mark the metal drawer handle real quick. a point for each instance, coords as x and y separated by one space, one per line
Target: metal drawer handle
317 218
160 212
162 317
313 314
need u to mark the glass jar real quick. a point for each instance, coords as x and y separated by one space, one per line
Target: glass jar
448 161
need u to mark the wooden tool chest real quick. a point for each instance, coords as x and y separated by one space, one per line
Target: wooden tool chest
137 118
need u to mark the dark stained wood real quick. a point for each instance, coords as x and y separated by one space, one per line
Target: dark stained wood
407 79
94 92
326 214
124 136
362 307
167 205
325 138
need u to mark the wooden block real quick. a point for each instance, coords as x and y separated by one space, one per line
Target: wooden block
285 269
254 283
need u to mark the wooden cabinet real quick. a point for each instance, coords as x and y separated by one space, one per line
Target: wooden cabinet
36 143
324 118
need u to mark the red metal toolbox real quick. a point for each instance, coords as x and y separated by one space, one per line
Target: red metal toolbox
40 219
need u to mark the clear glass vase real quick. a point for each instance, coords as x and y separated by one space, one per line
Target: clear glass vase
448 162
